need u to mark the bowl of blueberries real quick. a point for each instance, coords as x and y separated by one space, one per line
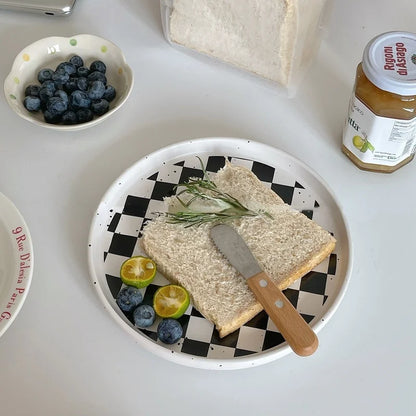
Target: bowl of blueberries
68 83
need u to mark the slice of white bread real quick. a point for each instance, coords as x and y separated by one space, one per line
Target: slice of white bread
271 38
287 246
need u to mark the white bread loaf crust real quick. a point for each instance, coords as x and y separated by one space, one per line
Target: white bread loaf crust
287 247
266 37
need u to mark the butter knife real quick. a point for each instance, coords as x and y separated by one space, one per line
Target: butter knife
295 330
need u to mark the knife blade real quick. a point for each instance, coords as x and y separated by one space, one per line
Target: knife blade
297 333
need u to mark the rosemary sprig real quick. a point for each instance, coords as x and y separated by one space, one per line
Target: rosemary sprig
218 206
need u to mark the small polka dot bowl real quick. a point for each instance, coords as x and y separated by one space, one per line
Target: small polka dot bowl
89 107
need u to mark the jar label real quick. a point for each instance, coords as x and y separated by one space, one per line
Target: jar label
378 140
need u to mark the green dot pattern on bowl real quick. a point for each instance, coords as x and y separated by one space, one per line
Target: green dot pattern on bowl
13 97
104 49
16 80
73 42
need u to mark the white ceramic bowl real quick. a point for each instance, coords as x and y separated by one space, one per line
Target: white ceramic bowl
48 53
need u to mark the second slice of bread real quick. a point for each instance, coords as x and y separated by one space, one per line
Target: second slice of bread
286 246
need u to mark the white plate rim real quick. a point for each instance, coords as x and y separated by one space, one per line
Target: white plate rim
208 144
12 219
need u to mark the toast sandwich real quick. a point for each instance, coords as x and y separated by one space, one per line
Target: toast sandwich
286 244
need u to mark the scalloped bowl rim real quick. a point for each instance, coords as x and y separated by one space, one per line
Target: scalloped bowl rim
57 46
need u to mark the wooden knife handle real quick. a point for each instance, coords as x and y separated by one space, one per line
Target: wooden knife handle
287 319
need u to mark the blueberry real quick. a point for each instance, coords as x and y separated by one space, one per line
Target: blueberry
129 298
56 105
83 71
49 85
67 67
51 118
69 117
100 107
96 90
76 61
98 66
61 94
32 90
45 93
44 74
32 103
71 85
144 316
60 77
79 99
82 83
169 331
84 115
109 93
97 76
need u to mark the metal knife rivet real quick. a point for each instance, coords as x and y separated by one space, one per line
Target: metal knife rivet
279 303
262 283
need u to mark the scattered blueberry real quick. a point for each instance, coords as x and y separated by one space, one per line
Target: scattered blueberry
32 90
109 93
32 103
169 331
84 115
71 94
96 90
144 316
79 99
77 61
69 117
100 107
45 74
129 298
97 76
98 66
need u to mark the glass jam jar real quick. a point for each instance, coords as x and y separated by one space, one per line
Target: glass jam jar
380 130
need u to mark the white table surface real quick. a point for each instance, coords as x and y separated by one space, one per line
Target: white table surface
65 355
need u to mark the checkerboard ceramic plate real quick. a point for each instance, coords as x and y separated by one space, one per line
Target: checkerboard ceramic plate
138 193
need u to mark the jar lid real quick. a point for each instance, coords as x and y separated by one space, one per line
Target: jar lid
389 62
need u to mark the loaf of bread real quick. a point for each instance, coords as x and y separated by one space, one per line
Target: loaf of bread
271 38
286 246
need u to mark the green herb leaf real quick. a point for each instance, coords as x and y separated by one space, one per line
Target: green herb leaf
204 203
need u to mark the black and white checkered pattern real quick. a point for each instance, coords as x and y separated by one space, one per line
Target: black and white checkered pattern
308 294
